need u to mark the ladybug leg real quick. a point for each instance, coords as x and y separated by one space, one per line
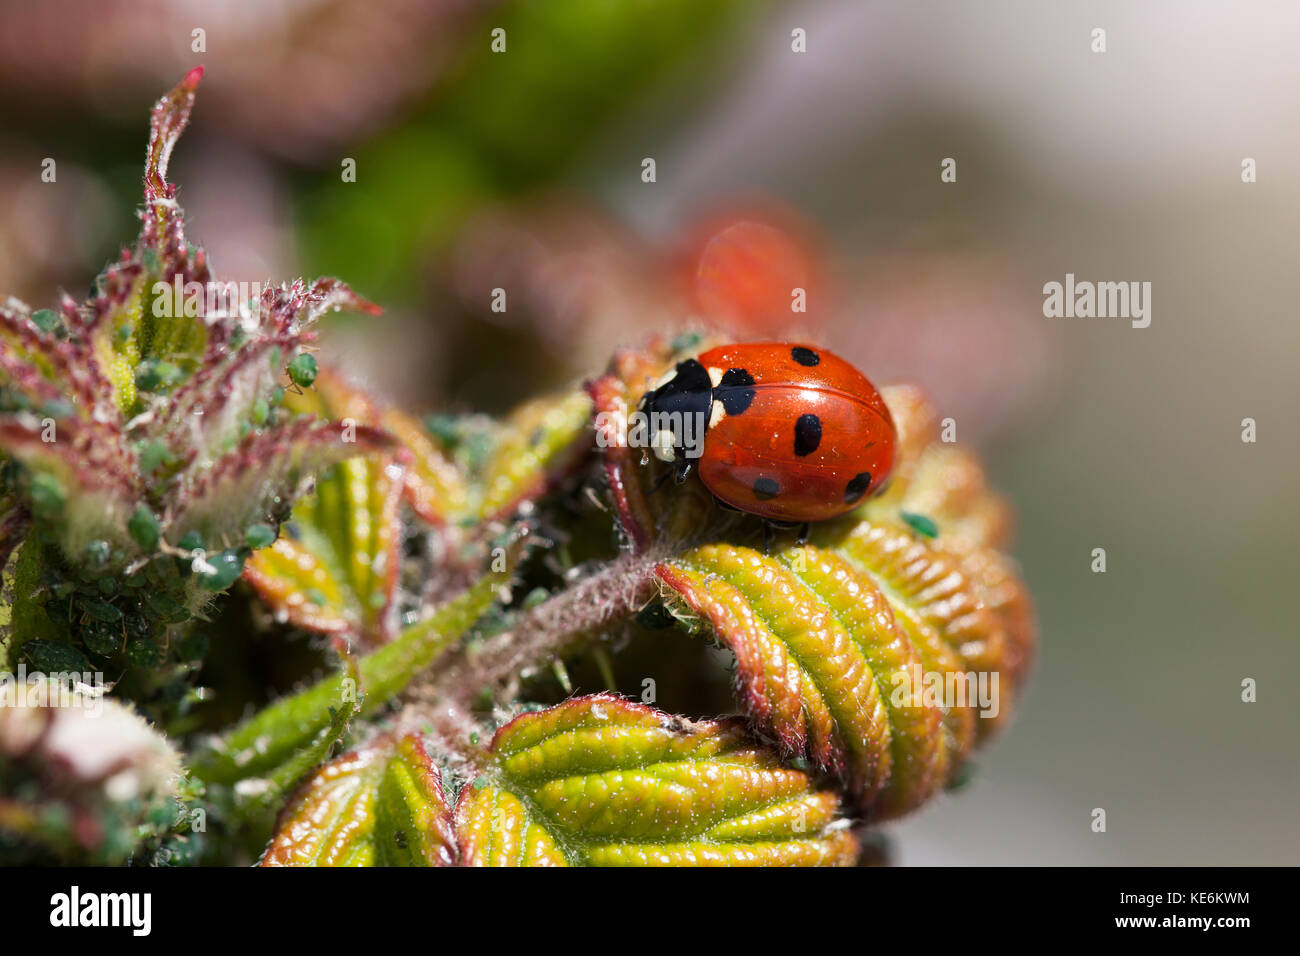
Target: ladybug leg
683 470
767 537
804 530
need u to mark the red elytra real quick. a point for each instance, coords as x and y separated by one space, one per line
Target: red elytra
796 434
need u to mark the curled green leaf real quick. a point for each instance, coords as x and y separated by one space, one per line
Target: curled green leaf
380 805
603 782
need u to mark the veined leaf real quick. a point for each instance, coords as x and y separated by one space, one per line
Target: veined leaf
604 782
334 569
865 651
819 654
380 805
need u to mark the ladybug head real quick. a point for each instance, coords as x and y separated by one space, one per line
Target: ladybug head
676 411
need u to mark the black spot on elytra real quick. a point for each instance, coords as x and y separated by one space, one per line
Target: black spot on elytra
765 488
857 487
735 391
807 434
805 356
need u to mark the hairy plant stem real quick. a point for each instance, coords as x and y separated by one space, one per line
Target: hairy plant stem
443 704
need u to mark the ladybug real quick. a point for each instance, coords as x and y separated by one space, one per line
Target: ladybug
789 432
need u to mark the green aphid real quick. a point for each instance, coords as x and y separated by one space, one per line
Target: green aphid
55 657
921 524
59 610
303 370
261 412
192 541
144 528
154 374
154 455
965 774
444 427
166 607
227 566
144 652
101 638
45 319
102 611
259 535
654 617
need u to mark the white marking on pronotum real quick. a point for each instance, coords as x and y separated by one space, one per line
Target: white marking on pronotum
718 414
715 376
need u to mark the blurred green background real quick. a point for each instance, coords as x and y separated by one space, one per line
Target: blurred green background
522 169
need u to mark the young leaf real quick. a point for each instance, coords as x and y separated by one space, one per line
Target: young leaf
600 781
143 417
380 805
334 570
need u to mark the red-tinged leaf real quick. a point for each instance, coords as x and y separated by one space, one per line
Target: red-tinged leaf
207 410
600 781
381 805
76 454
263 474
170 116
293 308
48 370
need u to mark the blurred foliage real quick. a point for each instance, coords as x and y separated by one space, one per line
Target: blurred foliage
507 122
